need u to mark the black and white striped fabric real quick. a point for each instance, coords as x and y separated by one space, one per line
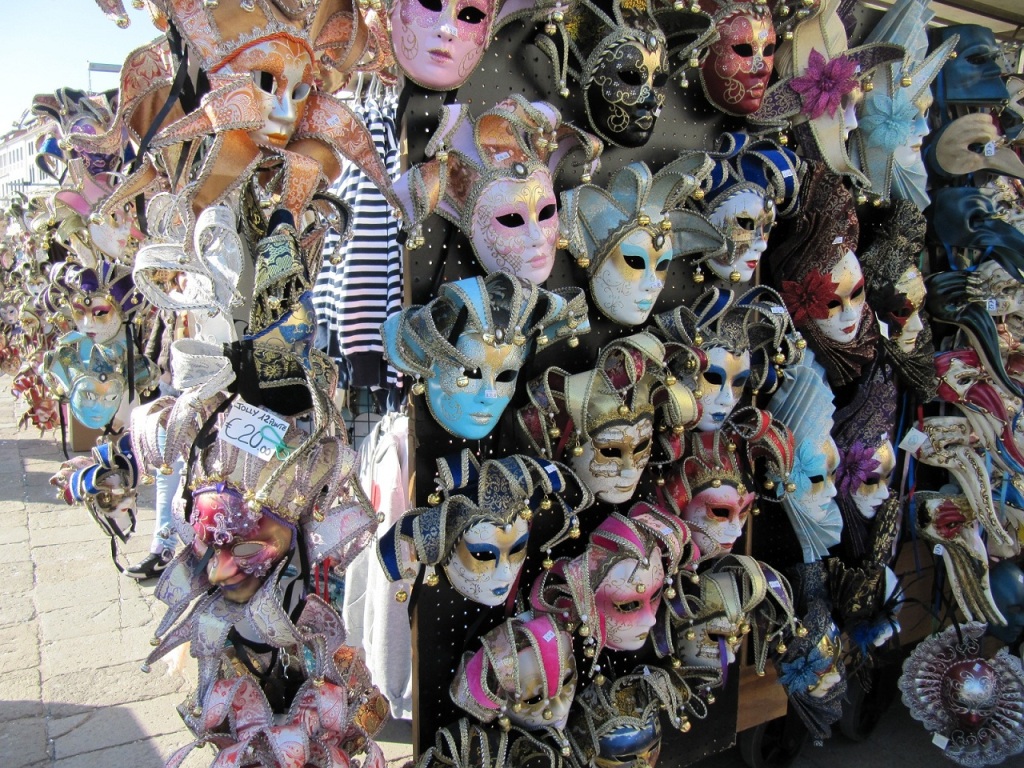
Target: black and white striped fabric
356 295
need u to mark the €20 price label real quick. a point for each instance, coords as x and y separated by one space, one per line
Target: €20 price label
254 430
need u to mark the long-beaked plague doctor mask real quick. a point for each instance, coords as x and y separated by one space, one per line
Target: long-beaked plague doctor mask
752 183
818 274
738 66
972 699
971 144
272 68
492 176
725 346
803 403
627 235
893 115
602 422
466 347
523 675
480 531
621 56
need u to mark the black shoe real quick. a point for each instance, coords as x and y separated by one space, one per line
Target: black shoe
149 568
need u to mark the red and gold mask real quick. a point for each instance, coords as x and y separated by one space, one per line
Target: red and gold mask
736 71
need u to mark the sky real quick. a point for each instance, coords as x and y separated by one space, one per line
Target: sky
48 44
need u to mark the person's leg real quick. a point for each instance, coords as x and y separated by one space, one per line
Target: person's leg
161 549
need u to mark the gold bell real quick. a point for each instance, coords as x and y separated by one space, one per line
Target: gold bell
623 410
574 532
779 358
716 483
906 82
526 513
434 499
698 276
698 339
154 641
801 631
547 564
691 635
599 679
660 481
442 155
504 722
584 630
431 579
695 7
643 219
318 514
419 388
734 276
665 225
589 652
577 450
574 342
755 511
517 707
683 82
670 380
555 433
566 750
545 503
676 663
711 698
868 86
698 194
769 485
781 648
641 588
698 393
542 340
670 592
783 138
550 29
586 178
790 487
401 596
583 262
197 710
562 243
801 344
564 93
558 16
685 726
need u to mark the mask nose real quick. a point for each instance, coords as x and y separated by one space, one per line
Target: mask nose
221 567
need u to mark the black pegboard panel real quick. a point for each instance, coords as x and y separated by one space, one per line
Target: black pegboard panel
446 624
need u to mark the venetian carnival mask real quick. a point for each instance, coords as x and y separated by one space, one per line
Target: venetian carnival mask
745 219
617 724
845 301
722 385
615 457
492 176
98 317
874 487
626 235
470 342
524 675
907 318
245 544
975 75
628 598
479 532
713 642
722 512
739 64
438 43
282 70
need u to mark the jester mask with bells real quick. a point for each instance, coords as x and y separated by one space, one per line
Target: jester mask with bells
271 67
242 519
821 82
466 347
804 405
602 421
751 184
971 698
479 533
72 111
727 346
524 675
621 55
893 115
818 274
896 291
493 177
611 593
702 626
627 235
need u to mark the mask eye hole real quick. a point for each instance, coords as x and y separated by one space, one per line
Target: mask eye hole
639 263
264 80
534 700
511 220
471 15
713 378
507 377
641 447
722 513
546 212
746 50
746 223
633 77
660 78
246 549
432 5
630 607
611 453
769 50
300 92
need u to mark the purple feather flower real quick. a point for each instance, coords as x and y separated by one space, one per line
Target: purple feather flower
857 463
822 86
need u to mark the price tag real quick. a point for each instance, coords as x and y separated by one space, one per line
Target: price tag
777 309
254 430
939 550
549 636
883 328
990 149
491 394
992 305
940 741
913 440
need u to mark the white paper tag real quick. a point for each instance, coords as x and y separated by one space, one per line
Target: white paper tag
913 440
549 636
992 305
787 172
778 309
491 394
838 240
939 550
883 328
940 741
254 430
502 156
990 149
647 671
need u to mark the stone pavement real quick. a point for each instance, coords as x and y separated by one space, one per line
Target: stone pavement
73 632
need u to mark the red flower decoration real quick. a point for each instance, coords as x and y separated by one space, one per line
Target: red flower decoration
824 83
808 300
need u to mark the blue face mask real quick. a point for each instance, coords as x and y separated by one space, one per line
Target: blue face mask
94 399
975 75
469 401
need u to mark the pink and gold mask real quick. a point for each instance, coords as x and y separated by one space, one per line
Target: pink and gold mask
438 43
